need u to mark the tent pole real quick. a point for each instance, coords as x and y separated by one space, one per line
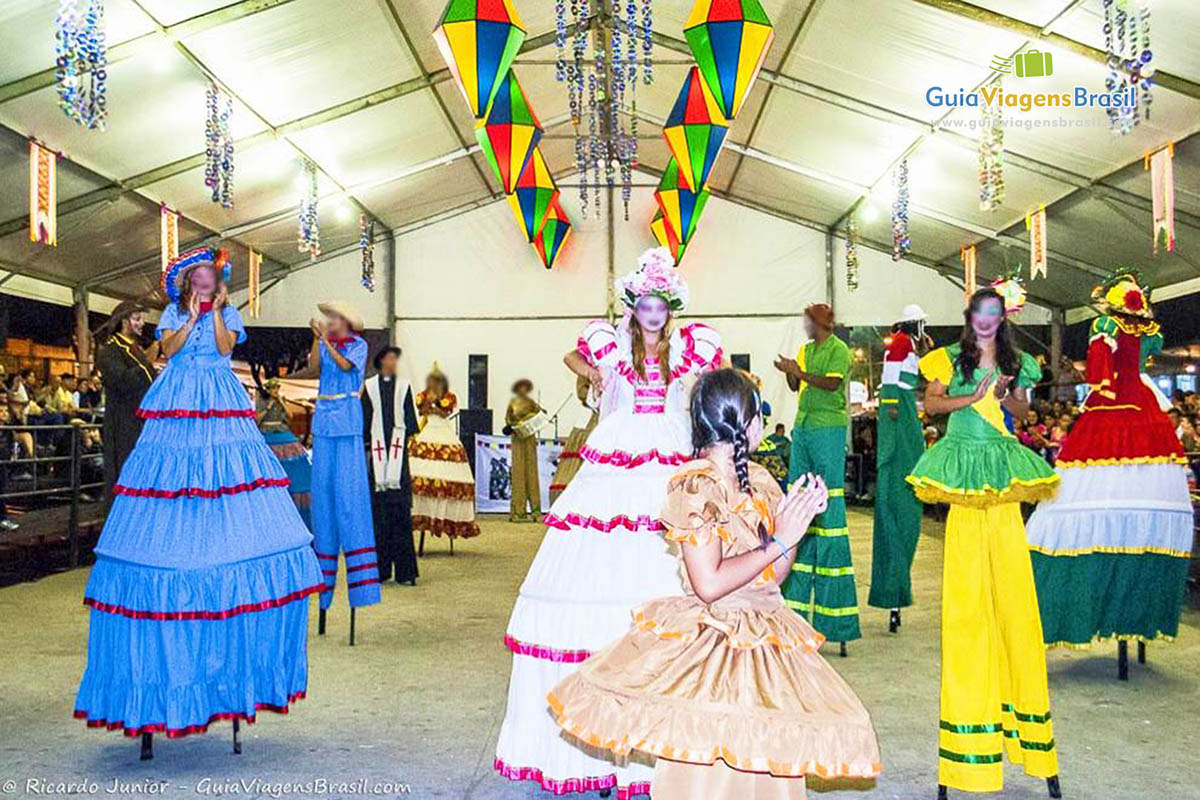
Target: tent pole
83 334
391 290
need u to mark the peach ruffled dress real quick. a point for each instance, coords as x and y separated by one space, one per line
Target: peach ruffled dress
738 681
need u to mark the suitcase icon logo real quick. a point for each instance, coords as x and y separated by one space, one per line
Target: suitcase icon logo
1034 64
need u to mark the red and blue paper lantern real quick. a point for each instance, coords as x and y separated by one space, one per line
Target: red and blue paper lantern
549 242
695 131
681 207
533 196
479 40
729 40
509 133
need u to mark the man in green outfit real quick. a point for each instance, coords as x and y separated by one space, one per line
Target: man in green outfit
821 586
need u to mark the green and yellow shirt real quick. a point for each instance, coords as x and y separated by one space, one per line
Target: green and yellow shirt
821 408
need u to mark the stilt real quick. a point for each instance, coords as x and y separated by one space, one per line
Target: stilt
352 626
1053 787
321 622
147 746
942 794
606 792
421 546
1141 652
842 652
1123 660
451 545
894 623
237 743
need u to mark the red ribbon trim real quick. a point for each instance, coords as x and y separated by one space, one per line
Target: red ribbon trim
620 458
170 616
367 582
361 567
169 494
546 653
189 413
573 519
176 733
349 553
570 785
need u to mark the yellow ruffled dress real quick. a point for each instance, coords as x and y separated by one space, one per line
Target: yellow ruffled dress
738 681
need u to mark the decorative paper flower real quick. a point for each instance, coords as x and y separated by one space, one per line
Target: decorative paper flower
1125 293
1013 293
655 276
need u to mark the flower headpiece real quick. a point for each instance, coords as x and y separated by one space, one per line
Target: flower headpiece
1012 291
217 259
655 276
1125 292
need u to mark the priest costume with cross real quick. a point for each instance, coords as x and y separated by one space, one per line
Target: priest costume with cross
390 419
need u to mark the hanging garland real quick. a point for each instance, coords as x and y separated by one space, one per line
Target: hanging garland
901 243
218 153
81 59
991 157
1127 43
851 254
366 245
310 232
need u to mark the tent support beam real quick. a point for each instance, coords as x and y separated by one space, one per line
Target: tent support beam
994 19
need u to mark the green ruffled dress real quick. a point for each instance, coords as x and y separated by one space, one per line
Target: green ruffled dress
979 462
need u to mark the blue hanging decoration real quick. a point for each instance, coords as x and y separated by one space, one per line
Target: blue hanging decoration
1127 44
218 153
647 42
81 62
310 231
366 246
901 243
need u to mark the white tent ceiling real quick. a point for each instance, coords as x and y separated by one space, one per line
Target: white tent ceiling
358 87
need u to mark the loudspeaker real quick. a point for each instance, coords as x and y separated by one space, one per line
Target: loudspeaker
477 382
470 422
740 361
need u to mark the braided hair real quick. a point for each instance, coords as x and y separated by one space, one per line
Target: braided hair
724 403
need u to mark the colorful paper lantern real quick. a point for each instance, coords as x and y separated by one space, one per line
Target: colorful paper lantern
729 39
479 40
534 194
553 236
681 207
666 236
509 133
695 131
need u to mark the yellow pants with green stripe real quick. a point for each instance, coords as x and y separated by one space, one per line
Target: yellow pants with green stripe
994 694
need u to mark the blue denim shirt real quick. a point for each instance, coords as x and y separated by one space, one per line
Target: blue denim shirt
341 417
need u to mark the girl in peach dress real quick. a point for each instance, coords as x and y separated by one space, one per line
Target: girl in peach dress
725 685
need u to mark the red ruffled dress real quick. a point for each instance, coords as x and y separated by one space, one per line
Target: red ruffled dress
1110 552
603 555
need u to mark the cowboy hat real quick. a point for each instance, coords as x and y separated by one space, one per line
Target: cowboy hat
343 310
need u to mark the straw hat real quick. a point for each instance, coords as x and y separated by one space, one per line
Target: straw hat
343 310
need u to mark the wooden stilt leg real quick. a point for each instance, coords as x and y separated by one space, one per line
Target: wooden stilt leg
1123 660
147 746
942 793
321 622
237 743
1053 787
894 622
421 546
842 651
451 545
352 626
1141 652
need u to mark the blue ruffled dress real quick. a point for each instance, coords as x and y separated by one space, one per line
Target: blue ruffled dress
198 595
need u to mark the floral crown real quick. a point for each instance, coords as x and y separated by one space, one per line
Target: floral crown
1125 292
1012 291
654 277
217 259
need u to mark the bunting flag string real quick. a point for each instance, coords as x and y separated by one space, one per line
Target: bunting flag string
1035 223
970 266
43 195
1161 164
168 235
253 291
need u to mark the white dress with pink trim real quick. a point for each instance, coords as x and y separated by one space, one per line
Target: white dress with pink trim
603 555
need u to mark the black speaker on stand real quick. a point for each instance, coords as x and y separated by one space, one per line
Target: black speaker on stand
470 422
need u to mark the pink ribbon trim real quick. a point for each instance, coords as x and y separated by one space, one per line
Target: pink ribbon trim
575 520
546 653
620 458
188 413
570 785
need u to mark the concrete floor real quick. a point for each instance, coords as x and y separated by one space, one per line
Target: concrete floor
419 700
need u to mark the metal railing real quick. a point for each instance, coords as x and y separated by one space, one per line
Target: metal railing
66 443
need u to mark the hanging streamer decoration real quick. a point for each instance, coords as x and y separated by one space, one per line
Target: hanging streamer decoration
991 156
81 62
43 195
310 231
851 254
695 131
550 240
253 284
1035 223
366 246
1161 164
729 40
970 267
509 133
1127 43
168 236
218 152
479 40
901 243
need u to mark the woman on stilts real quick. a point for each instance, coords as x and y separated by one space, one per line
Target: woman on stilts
995 699
900 443
603 552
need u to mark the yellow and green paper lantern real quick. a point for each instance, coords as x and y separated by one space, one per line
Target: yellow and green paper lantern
729 40
479 40
680 206
549 242
509 133
695 131
666 236
533 196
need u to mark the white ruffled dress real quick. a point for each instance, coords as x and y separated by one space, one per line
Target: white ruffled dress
603 555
